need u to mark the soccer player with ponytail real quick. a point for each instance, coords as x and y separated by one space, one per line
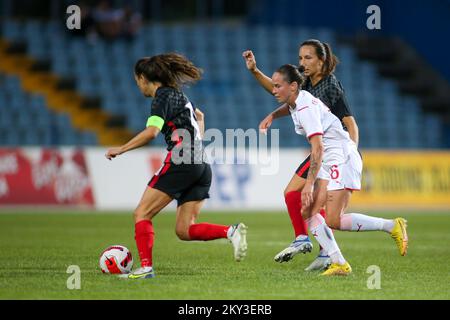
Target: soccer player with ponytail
184 175
317 64
334 172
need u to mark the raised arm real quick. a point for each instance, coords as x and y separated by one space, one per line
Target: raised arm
139 140
262 79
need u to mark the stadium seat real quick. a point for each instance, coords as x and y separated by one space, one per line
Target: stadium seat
228 93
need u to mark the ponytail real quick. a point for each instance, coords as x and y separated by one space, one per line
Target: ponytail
170 69
331 61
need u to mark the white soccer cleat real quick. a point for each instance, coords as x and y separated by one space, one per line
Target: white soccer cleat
140 273
238 237
322 262
300 245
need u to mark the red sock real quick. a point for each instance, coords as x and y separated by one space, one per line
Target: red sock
144 235
293 201
207 231
323 213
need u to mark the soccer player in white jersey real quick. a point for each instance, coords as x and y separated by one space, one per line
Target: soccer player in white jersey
334 172
318 62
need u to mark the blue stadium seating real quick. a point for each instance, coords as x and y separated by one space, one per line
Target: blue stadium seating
26 120
228 93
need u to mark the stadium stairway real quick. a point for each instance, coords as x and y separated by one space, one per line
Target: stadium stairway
35 79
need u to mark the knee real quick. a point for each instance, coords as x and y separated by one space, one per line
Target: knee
182 233
306 214
142 214
333 222
287 191
138 215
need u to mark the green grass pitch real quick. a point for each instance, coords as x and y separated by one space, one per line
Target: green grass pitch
37 248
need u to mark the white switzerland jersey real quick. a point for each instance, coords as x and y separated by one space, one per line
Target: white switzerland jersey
312 117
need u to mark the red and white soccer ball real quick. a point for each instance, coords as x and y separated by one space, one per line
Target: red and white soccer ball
116 259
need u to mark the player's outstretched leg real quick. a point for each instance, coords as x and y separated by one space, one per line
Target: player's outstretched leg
237 234
188 230
360 222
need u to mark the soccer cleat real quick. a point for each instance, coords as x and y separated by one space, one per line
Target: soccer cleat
336 269
238 238
300 245
400 236
140 273
322 262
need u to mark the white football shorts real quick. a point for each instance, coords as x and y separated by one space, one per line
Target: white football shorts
345 175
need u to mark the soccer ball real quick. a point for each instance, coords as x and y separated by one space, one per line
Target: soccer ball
116 259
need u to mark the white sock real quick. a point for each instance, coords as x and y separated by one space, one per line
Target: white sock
229 232
301 237
325 237
361 222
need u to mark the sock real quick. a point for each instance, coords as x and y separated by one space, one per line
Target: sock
207 231
360 222
324 215
325 237
144 236
294 205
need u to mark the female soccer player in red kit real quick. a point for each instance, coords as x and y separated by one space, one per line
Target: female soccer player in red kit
317 62
185 175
